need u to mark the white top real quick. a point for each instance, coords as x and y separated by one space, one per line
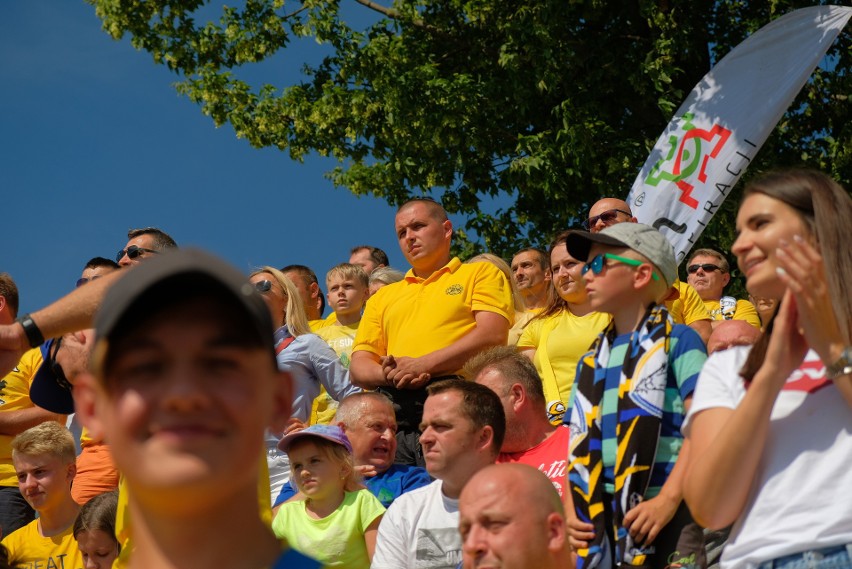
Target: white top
420 531
800 498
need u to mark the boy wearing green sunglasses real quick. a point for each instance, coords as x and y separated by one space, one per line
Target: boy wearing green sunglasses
627 455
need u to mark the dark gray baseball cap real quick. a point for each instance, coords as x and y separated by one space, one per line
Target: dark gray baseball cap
178 274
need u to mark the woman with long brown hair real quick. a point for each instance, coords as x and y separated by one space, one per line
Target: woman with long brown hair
771 426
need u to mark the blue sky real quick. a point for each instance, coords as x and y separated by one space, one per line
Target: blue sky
96 141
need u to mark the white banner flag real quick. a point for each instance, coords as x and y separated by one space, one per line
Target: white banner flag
724 121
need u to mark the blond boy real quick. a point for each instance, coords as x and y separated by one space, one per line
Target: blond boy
631 394
44 459
348 290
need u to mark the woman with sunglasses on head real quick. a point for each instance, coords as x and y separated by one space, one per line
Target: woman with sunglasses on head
312 364
771 425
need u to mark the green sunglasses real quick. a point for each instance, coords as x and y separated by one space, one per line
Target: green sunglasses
596 265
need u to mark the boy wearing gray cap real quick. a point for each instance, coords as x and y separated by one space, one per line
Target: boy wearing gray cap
632 391
183 385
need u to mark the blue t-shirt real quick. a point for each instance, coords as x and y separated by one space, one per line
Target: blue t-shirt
292 559
387 486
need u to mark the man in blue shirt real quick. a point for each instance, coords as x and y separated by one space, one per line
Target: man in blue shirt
368 420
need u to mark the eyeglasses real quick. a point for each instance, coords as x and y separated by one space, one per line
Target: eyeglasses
84 280
706 267
608 216
596 265
55 367
132 252
263 286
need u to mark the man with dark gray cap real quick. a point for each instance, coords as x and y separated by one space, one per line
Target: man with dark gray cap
183 384
627 455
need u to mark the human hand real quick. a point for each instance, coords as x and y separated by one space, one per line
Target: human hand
579 532
366 470
787 345
645 520
802 270
294 425
408 373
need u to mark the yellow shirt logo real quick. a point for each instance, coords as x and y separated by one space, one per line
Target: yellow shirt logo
454 289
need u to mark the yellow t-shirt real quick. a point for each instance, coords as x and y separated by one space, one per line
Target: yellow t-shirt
14 396
415 316
521 321
29 550
341 339
560 341
689 307
744 311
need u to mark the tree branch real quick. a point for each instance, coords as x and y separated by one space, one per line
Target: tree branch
391 13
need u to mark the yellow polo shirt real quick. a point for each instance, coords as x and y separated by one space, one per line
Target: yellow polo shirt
744 311
689 307
415 316
15 396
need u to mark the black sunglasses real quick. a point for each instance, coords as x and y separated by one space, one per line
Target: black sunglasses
608 216
84 280
706 267
132 252
263 286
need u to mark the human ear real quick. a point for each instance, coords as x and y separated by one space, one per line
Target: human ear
281 400
557 532
86 392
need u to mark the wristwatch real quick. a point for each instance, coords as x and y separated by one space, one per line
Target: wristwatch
842 366
34 335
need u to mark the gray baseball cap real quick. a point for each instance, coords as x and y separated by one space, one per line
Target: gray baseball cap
176 275
639 237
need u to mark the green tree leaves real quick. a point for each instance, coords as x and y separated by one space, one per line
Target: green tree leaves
540 105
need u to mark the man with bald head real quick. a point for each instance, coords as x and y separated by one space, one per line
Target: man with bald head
520 529
730 333
426 326
687 308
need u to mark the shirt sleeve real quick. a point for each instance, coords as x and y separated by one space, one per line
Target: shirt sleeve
531 335
719 384
370 336
370 509
328 369
391 541
492 292
686 358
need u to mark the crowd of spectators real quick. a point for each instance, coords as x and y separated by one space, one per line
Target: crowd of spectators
558 410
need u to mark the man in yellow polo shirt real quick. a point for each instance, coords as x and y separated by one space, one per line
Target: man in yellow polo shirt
709 273
426 326
687 308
